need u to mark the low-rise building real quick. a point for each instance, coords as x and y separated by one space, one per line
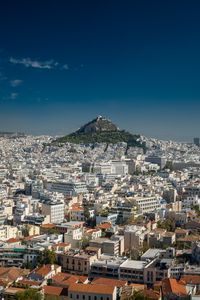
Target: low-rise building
76 262
92 292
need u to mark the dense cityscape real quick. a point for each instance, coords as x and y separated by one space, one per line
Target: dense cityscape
99 221
99 150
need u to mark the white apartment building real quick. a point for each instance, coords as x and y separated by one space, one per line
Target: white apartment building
104 168
76 213
67 188
55 210
191 200
134 237
113 246
148 203
119 167
74 233
193 190
132 270
8 232
3 193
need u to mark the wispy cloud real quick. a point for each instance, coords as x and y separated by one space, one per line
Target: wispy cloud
29 63
37 64
13 96
65 67
16 82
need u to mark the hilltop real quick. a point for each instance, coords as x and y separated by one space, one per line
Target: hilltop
101 130
99 124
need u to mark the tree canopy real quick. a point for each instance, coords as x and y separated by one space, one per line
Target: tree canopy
47 257
167 224
29 294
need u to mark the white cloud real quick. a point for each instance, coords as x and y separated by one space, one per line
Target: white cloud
16 82
13 96
29 63
65 67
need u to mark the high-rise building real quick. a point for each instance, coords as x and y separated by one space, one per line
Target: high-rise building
197 141
55 210
159 160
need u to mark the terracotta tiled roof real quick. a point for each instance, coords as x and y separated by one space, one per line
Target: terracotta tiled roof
44 270
170 285
74 279
189 238
52 290
181 230
47 226
91 288
61 245
91 230
60 277
12 240
30 237
10 274
190 279
108 281
29 282
104 226
13 291
76 208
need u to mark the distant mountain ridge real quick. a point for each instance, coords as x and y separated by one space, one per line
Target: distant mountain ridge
11 134
101 130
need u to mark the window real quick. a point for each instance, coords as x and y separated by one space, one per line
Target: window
95 297
83 297
77 296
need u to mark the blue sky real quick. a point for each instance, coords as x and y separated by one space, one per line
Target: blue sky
136 62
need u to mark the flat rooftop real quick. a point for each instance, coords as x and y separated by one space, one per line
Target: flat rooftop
151 253
133 264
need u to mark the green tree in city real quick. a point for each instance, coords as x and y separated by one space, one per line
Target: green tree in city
86 213
25 230
47 257
138 295
29 294
48 297
167 224
196 209
169 165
